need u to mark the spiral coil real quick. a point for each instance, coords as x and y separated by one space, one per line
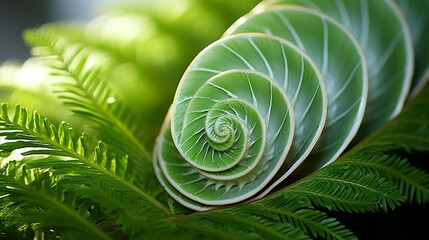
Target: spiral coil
285 89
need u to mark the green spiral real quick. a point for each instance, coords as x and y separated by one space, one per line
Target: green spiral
285 89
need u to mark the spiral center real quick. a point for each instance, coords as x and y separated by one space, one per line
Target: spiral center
222 135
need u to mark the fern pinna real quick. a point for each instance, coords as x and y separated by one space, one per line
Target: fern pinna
320 131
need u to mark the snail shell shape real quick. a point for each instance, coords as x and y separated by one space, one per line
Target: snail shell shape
285 89
231 124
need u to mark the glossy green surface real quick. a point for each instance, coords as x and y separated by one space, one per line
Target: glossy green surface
342 64
416 13
287 89
384 36
238 88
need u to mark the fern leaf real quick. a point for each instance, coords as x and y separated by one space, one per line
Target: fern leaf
81 86
374 174
346 190
62 153
238 224
281 217
384 153
412 182
134 215
296 210
265 227
37 199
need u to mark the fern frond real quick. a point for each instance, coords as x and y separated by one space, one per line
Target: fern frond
236 223
296 210
207 228
134 215
288 216
81 86
23 84
347 190
412 182
37 199
408 132
384 153
63 154
374 174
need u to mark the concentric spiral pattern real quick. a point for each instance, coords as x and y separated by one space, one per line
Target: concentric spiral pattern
285 89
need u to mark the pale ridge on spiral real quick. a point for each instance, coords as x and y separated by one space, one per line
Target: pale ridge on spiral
255 105
286 90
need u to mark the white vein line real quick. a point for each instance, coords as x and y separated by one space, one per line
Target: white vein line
230 94
267 30
212 156
303 146
381 63
331 145
195 143
200 191
206 153
298 89
226 154
234 110
254 140
239 56
223 194
292 30
342 115
246 116
325 47
206 98
365 24
238 137
195 119
344 15
276 135
191 182
201 150
268 114
255 101
202 69
185 99
386 86
267 65
286 67
307 110
202 111
251 130
340 92
221 159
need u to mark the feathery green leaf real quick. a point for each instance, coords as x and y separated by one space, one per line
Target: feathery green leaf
63 154
80 84
37 199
